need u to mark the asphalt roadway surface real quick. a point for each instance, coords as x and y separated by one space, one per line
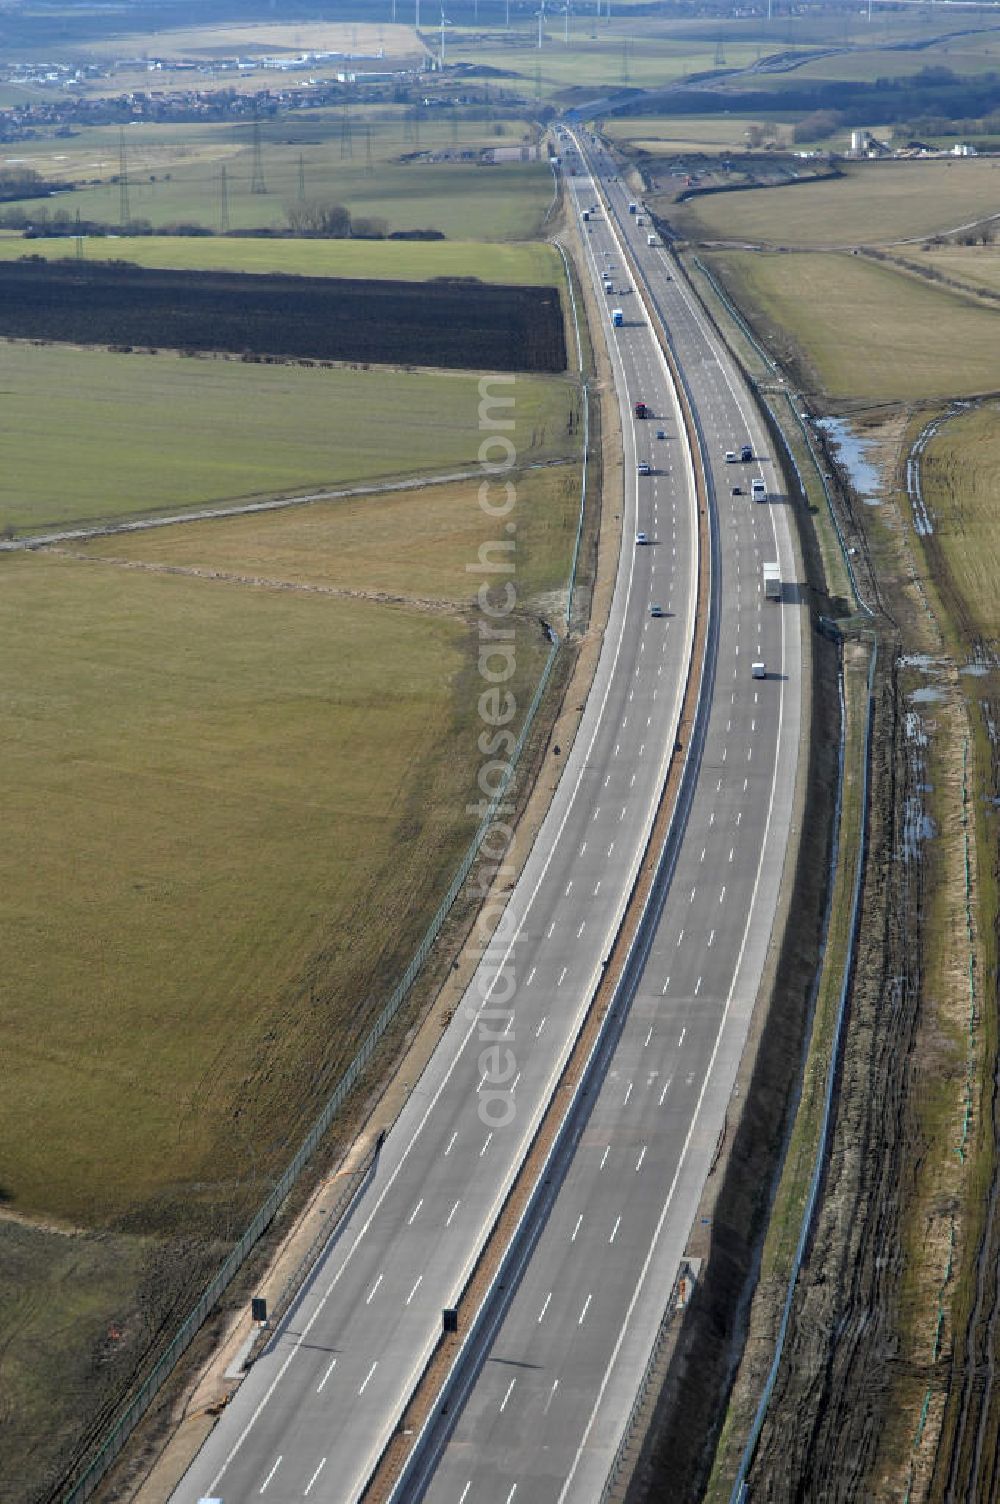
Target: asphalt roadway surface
552 1398
317 1409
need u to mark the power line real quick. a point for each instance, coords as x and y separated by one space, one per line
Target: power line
223 202
257 183
124 208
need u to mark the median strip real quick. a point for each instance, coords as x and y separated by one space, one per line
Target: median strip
472 1304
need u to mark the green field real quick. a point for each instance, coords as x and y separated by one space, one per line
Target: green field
961 483
874 203
856 329
976 265
964 55
527 264
442 526
667 136
95 435
219 39
224 793
238 802
175 175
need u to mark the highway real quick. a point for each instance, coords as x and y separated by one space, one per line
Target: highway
316 1410
544 1416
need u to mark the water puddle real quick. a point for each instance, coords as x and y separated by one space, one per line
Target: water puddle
922 661
852 453
928 695
913 729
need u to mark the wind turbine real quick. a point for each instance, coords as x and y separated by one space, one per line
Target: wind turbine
541 24
566 10
444 22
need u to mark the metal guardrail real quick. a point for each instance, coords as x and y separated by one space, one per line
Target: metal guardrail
83 1477
412 1478
740 1489
585 395
790 397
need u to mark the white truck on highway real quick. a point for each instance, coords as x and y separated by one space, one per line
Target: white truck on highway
772 582
758 490
651 240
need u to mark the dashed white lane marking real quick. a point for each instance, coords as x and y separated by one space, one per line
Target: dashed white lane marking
680 1040
628 1093
614 1230
545 1306
604 1156
414 1290
452 1213
329 1371
503 1402
531 976
415 1212
312 1480
486 1145
642 1156
576 1228
562 976
697 987
552 1395
663 1093
586 1308
541 1026
711 937
270 1475
368 1377
451 1143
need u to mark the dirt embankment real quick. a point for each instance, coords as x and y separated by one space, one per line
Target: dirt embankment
880 1387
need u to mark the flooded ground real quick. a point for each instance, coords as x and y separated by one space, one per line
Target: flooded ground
854 453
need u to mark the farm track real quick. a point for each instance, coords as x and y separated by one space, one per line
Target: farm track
261 582
247 508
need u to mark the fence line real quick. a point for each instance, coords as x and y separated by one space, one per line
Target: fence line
739 1490
82 1478
585 395
747 332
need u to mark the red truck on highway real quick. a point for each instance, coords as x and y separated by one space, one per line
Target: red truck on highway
641 410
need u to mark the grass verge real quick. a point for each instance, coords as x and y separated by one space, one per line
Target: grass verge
94 435
528 264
